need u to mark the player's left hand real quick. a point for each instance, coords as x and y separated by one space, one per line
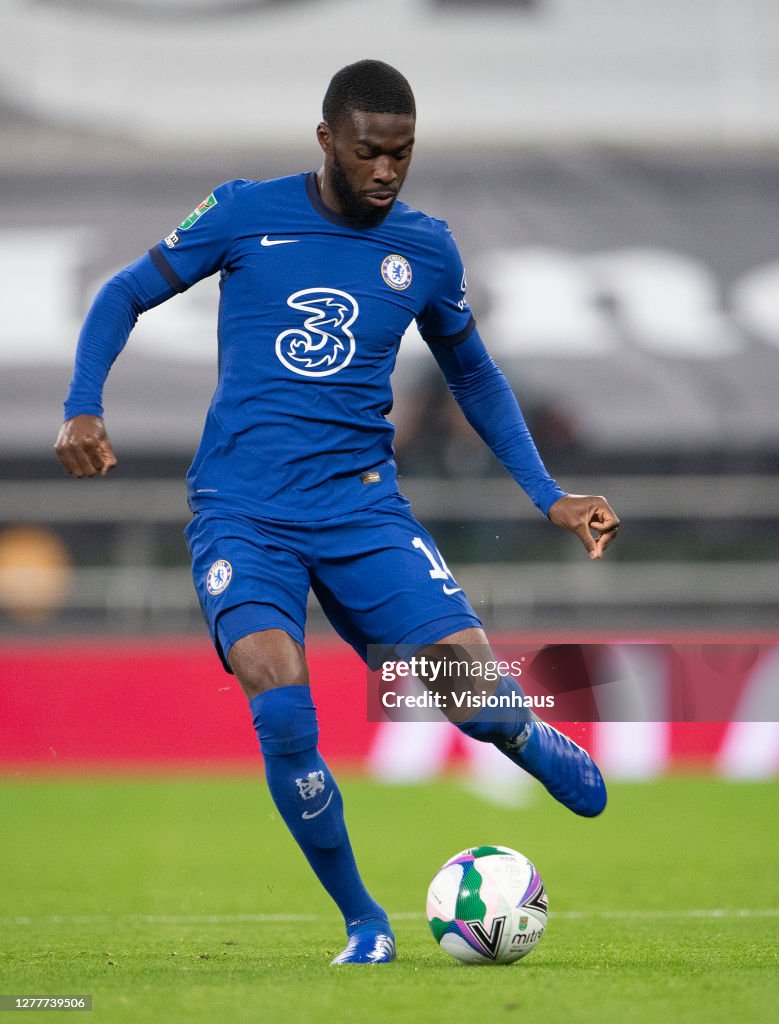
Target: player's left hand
585 515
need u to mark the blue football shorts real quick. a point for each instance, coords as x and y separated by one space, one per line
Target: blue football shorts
376 572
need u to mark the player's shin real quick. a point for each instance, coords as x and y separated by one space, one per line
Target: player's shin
504 721
310 802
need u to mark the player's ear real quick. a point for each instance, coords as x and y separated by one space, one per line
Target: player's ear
324 136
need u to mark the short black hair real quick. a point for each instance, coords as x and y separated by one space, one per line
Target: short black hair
369 85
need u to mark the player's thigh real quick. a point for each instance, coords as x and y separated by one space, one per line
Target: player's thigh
248 580
385 582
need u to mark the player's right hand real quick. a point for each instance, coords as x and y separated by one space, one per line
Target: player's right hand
83 447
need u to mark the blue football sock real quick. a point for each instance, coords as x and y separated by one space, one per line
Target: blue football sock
309 801
503 723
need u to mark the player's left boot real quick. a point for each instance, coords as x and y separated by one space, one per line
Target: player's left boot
566 770
372 943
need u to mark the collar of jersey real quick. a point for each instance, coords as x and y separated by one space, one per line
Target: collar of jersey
312 191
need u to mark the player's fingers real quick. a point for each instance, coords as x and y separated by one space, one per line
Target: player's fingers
582 531
66 460
63 450
85 461
108 459
91 449
81 455
605 522
606 538
74 460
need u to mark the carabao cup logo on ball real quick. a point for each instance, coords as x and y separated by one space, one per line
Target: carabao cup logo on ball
396 271
219 576
324 344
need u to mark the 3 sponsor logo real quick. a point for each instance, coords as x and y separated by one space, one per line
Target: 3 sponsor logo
324 344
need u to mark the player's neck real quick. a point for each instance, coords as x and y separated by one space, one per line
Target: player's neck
326 194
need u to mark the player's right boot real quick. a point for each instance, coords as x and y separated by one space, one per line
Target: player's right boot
566 770
372 943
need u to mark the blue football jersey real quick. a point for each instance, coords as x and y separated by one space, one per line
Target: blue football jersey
312 311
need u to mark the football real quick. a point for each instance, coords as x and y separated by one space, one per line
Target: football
487 905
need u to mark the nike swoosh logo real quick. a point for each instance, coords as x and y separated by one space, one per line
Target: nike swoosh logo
265 241
452 590
313 814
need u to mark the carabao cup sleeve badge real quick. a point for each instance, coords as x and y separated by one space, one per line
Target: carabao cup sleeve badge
219 576
396 271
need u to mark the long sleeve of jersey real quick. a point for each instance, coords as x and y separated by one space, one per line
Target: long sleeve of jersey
107 326
485 397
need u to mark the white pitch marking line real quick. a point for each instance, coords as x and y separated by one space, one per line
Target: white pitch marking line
577 915
412 915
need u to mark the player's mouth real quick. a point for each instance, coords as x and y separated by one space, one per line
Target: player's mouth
381 199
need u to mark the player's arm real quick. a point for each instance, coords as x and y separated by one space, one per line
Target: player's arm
490 406
83 446
197 248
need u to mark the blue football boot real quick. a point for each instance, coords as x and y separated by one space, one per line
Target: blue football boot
568 772
370 944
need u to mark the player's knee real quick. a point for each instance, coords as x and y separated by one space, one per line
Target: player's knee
261 678
285 721
266 660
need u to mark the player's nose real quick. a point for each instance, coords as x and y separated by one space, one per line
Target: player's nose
384 171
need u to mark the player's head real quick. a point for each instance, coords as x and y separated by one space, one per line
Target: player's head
369 85
367 135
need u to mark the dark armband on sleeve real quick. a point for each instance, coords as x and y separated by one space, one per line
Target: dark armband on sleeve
166 270
449 341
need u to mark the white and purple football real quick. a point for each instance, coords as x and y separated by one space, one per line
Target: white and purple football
487 905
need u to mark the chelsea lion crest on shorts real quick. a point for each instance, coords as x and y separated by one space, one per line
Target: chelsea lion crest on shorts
219 576
396 271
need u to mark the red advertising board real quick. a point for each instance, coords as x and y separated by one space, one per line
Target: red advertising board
145 704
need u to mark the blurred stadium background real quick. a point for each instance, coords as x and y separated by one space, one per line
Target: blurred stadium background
610 172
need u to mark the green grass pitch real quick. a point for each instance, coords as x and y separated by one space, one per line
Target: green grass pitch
183 900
